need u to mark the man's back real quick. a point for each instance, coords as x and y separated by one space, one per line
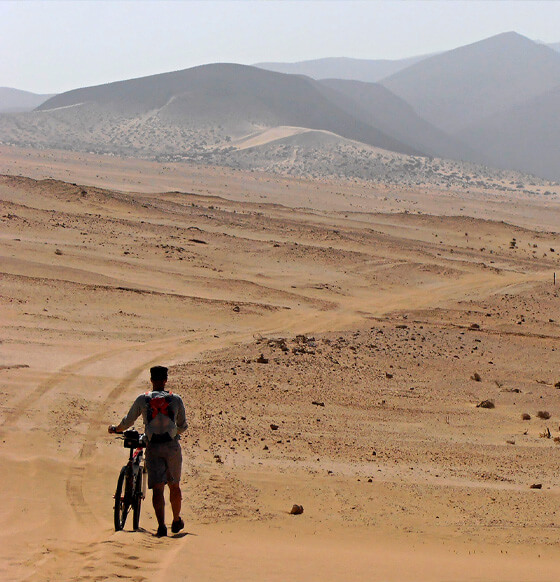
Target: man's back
163 413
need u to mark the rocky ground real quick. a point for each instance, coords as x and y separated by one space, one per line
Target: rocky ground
395 374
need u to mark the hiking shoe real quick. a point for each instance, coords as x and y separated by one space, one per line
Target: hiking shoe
161 531
177 525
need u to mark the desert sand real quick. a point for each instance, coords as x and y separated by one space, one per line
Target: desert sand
332 342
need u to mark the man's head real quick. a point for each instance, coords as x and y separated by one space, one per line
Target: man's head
158 376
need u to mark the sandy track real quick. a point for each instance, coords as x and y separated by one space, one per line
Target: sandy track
79 334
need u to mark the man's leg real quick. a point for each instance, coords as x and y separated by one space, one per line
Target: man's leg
158 501
174 463
175 498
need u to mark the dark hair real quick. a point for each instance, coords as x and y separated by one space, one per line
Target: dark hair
158 373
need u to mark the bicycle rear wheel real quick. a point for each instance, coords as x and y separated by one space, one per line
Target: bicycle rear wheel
123 498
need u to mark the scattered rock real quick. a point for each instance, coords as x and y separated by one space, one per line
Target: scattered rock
58 252
237 309
536 486
278 343
476 377
296 509
274 427
303 339
486 404
525 416
474 326
388 375
262 360
318 403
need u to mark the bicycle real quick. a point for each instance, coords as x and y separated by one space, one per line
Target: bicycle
131 484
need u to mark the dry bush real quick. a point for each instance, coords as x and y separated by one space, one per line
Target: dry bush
544 414
525 416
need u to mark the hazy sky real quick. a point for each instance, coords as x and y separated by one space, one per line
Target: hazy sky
51 46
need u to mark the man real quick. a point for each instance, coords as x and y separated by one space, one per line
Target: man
164 420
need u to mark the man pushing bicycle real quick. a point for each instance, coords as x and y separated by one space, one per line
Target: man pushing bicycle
164 420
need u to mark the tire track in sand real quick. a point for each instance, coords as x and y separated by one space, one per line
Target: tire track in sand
190 348
43 388
96 554
197 344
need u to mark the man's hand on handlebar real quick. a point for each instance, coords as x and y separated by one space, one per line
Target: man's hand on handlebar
113 429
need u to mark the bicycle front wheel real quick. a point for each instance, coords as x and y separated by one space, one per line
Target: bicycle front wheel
123 498
137 501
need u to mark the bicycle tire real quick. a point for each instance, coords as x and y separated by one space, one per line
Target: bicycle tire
122 498
137 501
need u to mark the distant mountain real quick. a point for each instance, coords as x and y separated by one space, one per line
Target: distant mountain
378 107
554 46
493 102
463 86
15 100
199 107
525 137
369 71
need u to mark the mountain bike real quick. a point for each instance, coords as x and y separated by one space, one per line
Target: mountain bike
131 484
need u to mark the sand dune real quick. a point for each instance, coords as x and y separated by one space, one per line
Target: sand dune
277 133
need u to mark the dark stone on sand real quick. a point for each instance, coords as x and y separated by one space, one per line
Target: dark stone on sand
296 509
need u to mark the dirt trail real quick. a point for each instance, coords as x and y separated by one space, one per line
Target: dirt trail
99 547
78 338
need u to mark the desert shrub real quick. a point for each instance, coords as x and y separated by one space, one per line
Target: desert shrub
525 416
544 414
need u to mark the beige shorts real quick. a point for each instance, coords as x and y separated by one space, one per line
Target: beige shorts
164 462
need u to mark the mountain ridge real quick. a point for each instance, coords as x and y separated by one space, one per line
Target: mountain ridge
367 70
205 113
458 88
18 101
239 98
